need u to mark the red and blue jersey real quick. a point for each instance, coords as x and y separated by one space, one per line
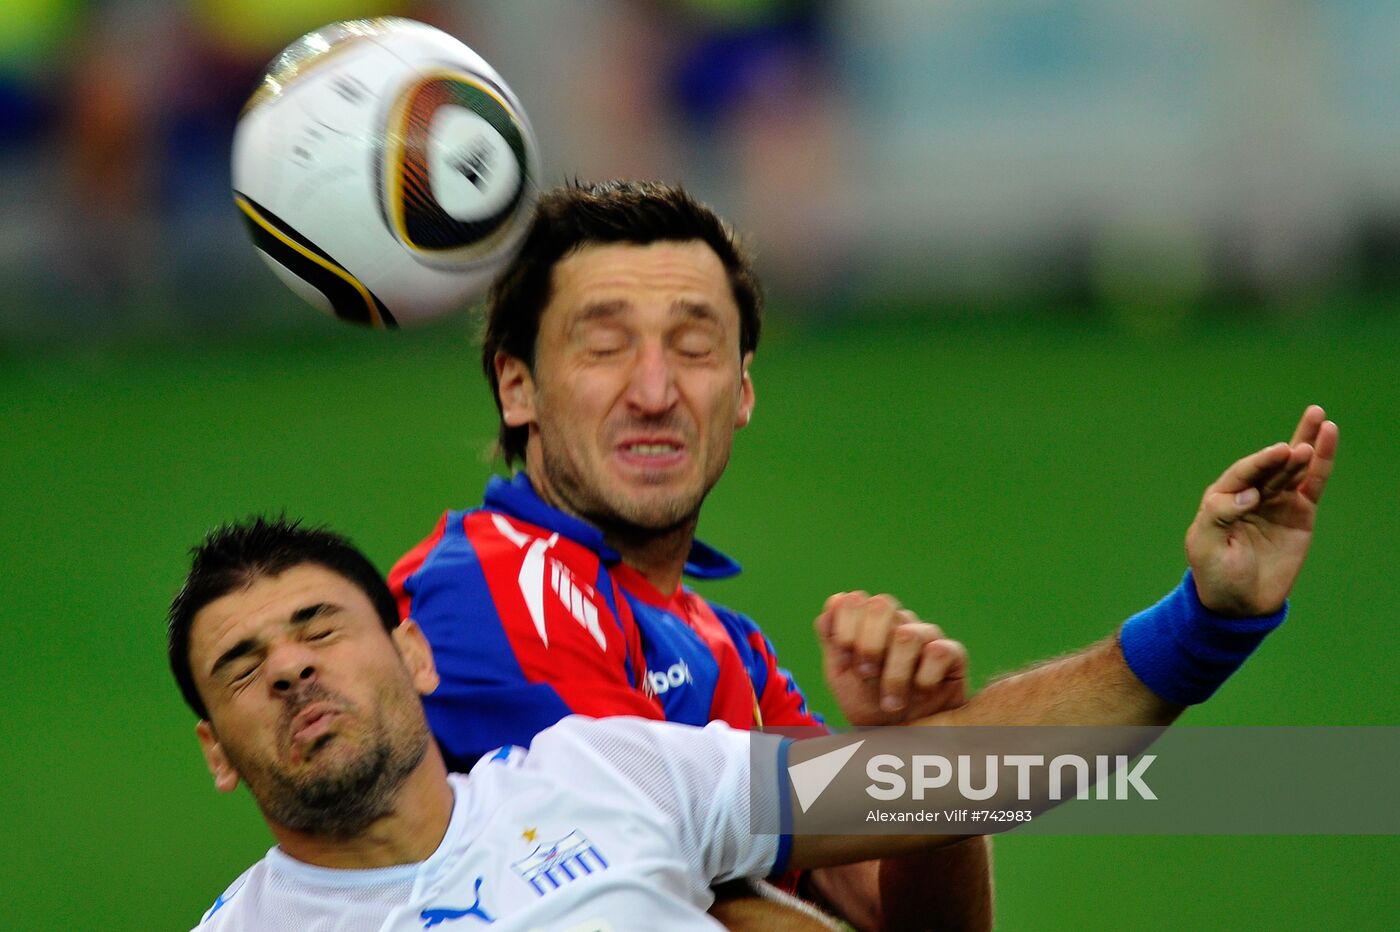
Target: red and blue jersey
532 617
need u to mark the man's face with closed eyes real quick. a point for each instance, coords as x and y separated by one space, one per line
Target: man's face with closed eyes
637 386
310 700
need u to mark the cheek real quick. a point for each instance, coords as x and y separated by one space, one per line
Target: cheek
243 719
574 405
722 409
244 740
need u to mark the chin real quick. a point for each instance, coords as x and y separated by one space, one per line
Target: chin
660 512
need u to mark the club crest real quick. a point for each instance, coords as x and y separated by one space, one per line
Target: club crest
555 863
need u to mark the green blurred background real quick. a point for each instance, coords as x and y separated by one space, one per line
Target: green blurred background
1024 481
1040 272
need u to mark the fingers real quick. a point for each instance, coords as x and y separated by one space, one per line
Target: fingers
1304 464
904 659
877 618
836 627
942 667
840 622
898 663
1252 470
1325 454
826 619
1290 474
1315 430
874 634
856 629
941 661
1226 506
1308 425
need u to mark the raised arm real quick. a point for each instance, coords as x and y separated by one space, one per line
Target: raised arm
1245 547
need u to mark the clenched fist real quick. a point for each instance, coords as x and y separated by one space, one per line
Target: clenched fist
884 665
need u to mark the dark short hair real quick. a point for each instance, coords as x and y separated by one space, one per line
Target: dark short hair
578 214
234 556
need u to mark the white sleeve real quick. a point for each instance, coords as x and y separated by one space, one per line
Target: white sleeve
698 777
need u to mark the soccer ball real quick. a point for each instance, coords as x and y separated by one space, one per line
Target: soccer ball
385 171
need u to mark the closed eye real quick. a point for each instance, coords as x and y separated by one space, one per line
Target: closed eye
695 344
601 333
604 344
243 676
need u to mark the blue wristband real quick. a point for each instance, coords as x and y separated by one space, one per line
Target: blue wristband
1183 651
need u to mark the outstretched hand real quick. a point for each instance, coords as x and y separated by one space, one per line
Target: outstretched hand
1247 543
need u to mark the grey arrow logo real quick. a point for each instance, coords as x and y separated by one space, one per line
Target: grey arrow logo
811 777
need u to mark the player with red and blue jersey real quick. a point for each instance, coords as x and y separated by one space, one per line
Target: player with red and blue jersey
618 346
532 617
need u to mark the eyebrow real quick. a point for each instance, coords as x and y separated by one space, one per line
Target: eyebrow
246 646
601 310
695 310
605 310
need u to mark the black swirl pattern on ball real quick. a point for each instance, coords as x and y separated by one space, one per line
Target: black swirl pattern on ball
349 298
426 225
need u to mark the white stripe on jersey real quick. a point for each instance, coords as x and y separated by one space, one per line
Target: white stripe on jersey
609 824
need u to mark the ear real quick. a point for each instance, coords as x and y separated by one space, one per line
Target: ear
417 655
746 396
516 388
225 776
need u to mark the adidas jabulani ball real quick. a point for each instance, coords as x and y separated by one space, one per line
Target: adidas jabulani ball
385 171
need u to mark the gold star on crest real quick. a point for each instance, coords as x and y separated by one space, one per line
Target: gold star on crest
529 834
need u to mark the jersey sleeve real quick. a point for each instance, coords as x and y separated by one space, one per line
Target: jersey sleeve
714 785
519 640
781 703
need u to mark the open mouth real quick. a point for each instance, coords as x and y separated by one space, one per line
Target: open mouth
651 453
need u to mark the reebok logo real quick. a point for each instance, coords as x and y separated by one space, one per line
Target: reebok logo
660 682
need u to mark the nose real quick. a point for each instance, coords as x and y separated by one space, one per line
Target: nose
292 668
651 387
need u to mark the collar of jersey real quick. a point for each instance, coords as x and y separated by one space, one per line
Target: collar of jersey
457 825
517 498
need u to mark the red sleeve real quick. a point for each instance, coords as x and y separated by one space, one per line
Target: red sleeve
780 701
409 563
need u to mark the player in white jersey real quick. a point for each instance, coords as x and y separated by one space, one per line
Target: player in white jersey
287 644
665 814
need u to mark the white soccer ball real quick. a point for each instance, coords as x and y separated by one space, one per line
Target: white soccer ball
385 171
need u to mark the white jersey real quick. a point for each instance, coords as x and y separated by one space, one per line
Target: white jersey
602 825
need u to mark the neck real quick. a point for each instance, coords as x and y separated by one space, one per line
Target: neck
408 834
658 555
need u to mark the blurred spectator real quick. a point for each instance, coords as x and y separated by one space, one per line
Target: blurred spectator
33 36
1083 150
759 85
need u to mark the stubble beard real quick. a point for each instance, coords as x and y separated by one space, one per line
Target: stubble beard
636 519
344 801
